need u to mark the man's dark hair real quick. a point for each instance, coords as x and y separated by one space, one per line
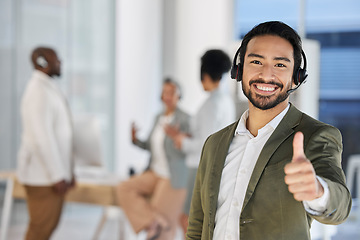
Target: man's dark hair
215 62
274 28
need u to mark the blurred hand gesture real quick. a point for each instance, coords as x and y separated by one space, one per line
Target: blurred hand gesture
172 130
134 130
174 133
300 175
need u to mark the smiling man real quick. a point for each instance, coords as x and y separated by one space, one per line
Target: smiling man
271 173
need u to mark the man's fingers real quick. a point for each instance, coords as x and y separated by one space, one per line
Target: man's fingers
299 178
303 196
306 191
298 147
300 165
300 174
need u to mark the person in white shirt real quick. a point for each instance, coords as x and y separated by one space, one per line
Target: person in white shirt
268 175
45 161
216 112
153 200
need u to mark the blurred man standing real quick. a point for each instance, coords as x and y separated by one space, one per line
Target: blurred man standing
45 163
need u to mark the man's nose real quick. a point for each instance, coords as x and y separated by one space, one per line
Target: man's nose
267 73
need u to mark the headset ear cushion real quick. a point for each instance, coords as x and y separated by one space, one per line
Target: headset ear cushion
303 75
300 76
233 71
239 72
296 76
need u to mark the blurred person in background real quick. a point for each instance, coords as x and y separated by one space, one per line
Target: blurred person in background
45 161
153 200
216 112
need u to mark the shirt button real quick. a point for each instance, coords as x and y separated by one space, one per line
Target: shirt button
236 204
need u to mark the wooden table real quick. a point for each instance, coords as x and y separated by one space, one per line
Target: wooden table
99 190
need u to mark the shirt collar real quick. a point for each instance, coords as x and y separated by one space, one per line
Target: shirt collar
40 75
215 92
241 127
46 79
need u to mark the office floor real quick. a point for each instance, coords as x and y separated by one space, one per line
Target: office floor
79 222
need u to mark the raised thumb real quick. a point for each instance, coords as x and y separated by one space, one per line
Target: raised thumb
298 147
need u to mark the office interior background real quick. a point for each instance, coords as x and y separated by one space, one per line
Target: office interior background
116 53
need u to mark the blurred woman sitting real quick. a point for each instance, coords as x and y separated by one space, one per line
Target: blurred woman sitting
153 200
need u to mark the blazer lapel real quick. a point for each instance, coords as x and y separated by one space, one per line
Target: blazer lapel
217 167
280 134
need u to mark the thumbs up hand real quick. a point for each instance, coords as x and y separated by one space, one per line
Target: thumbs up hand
300 175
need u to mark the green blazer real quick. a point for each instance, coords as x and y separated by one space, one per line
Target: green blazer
269 210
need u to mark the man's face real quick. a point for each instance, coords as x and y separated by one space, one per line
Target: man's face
206 82
54 64
268 71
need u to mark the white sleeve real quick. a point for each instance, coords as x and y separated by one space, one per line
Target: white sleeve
318 206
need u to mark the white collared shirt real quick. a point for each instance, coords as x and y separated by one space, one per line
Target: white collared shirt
216 112
159 163
239 165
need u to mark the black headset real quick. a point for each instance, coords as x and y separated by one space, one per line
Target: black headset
299 75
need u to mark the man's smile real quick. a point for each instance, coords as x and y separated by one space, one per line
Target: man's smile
265 88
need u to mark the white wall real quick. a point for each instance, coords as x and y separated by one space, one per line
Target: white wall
138 76
200 25
307 96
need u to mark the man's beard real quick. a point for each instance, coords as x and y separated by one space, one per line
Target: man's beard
264 102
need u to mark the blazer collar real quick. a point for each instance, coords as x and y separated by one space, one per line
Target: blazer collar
50 85
284 130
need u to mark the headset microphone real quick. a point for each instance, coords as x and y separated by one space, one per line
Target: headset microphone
292 89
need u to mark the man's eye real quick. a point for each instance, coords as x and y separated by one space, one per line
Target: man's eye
255 62
280 65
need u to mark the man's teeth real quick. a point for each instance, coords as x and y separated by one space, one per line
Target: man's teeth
268 89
